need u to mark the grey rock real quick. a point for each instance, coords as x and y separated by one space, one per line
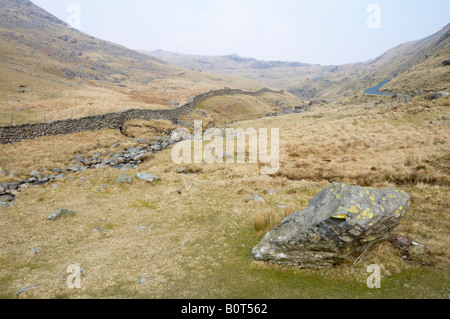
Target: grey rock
271 192
156 147
3 171
73 169
36 174
147 177
58 170
141 140
25 290
124 178
257 198
181 170
35 251
138 157
60 213
438 95
179 135
81 159
341 222
173 103
6 198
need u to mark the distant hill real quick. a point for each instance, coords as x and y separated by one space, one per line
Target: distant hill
417 65
49 70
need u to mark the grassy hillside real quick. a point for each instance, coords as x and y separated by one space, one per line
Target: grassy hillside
417 65
190 234
151 241
65 73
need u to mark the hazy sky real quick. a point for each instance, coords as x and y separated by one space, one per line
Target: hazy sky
319 31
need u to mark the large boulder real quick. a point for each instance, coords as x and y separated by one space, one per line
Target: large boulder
341 222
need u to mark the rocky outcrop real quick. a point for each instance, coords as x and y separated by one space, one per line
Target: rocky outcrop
342 222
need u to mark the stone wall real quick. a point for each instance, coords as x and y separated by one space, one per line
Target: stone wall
17 133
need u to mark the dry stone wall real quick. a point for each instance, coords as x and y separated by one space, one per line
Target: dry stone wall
17 133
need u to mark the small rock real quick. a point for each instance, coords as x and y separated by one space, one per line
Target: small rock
257 198
271 192
173 103
25 290
156 147
124 178
36 174
143 280
181 170
6 198
141 140
35 251
3 171
142 227
147 177
60 213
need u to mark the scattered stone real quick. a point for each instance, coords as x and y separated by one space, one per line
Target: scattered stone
73 169
3 171
124 178
35 251
36 174
257 198
147 177
25 290
438 95
271 192
342 222
142 227
142 141
143 280
20 90
6 198
181 170
180 134
60 213
173 103
156 147
99 230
